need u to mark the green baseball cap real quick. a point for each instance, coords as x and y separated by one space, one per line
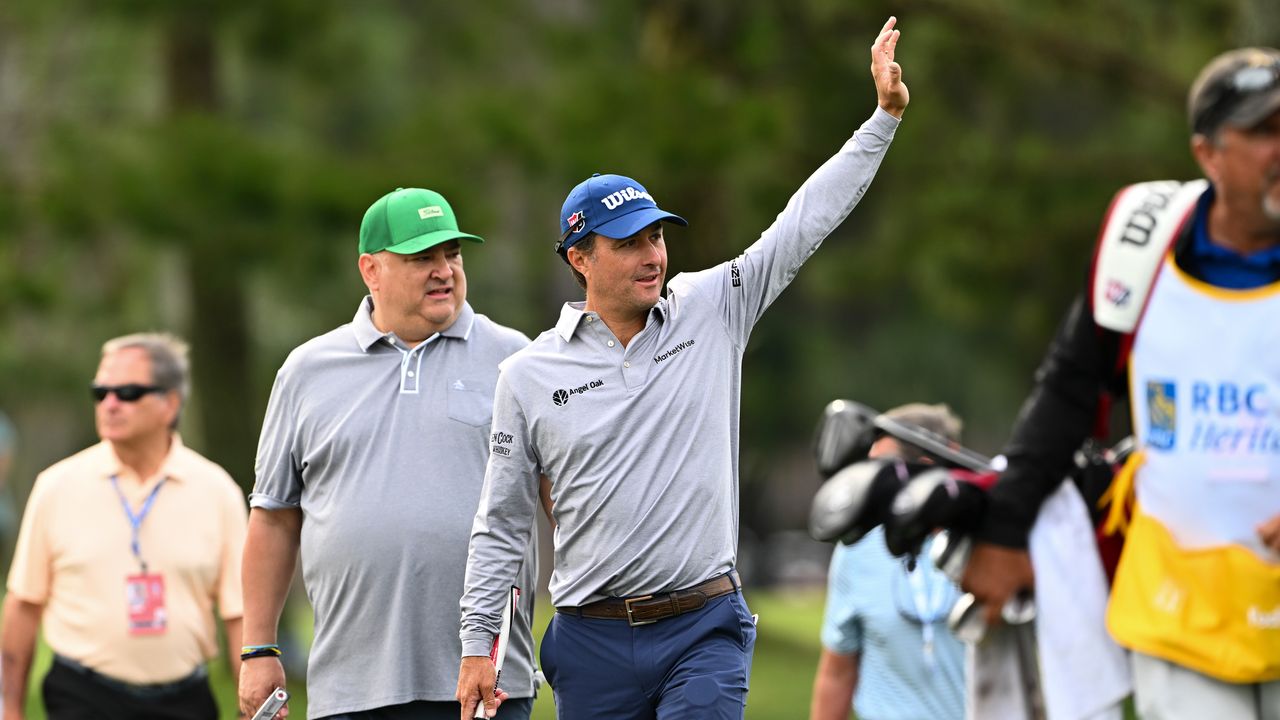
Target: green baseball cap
407 221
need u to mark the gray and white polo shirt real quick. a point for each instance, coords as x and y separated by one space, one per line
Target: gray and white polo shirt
383 447
641 443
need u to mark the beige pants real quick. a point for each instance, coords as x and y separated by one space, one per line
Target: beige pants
1164 691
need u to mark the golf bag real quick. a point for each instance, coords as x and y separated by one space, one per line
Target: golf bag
911 501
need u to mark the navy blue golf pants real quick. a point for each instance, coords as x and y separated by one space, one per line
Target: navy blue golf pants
690 666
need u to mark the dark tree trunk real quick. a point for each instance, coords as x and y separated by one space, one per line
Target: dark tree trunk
219 332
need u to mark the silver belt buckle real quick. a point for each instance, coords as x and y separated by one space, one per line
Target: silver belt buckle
631 620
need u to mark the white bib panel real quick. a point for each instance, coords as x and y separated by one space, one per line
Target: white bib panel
1205 392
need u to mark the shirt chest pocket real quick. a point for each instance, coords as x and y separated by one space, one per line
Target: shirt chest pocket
469 404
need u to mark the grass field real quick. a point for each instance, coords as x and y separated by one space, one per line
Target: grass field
782 671
785 659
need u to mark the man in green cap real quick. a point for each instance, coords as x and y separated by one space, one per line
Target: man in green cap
371 459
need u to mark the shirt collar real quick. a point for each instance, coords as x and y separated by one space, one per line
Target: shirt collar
1204 248
177 464
367 334
570 316
461 327
362 325
572 313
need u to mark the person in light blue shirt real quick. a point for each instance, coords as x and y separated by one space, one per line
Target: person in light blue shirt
886 650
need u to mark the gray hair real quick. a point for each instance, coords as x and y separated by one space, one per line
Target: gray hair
168 354
937 419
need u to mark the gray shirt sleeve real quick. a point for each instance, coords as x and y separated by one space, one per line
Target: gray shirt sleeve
744 287
278 479
504 522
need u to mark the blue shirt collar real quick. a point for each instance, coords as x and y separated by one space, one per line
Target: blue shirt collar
1203 248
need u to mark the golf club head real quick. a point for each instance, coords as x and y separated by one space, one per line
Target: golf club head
930 500
845 434
942 450
848 429
950 554
968 624
854 500
966 621
1019 610
912 514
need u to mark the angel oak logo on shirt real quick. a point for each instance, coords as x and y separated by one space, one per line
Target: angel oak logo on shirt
560 397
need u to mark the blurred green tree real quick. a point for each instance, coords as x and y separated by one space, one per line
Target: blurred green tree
203 166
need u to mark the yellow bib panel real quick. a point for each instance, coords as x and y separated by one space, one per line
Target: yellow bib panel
1213 610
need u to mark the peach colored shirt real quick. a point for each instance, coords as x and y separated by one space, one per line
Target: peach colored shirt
74 553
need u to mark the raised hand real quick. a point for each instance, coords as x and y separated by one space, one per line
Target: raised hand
891 93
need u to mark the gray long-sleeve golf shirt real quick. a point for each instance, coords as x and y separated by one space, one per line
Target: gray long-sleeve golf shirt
641 443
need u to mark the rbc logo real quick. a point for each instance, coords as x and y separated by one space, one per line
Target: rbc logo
560 397
1228 398
1162 414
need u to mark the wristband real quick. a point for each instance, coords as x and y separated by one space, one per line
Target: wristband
255 651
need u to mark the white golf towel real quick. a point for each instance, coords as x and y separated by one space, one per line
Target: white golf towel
1084 674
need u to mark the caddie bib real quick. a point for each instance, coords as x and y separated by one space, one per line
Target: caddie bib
1195 585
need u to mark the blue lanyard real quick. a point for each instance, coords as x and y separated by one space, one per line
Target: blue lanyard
929 592
932 595
135 521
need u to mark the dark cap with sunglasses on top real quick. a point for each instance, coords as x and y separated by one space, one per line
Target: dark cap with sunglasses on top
1239 88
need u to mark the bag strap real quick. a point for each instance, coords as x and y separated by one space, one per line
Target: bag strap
1136 234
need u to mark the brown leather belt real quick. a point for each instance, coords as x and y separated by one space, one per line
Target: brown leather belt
649 609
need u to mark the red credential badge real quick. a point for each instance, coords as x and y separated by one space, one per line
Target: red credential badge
144 594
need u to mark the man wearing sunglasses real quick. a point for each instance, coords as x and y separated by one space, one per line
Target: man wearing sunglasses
886 648
371 460
124 552
1181 316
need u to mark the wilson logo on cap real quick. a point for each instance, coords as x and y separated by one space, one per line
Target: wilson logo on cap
614 199
430 211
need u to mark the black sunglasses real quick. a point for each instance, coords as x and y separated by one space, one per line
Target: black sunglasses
132 392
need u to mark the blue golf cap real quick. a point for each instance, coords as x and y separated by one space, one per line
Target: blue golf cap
614 206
